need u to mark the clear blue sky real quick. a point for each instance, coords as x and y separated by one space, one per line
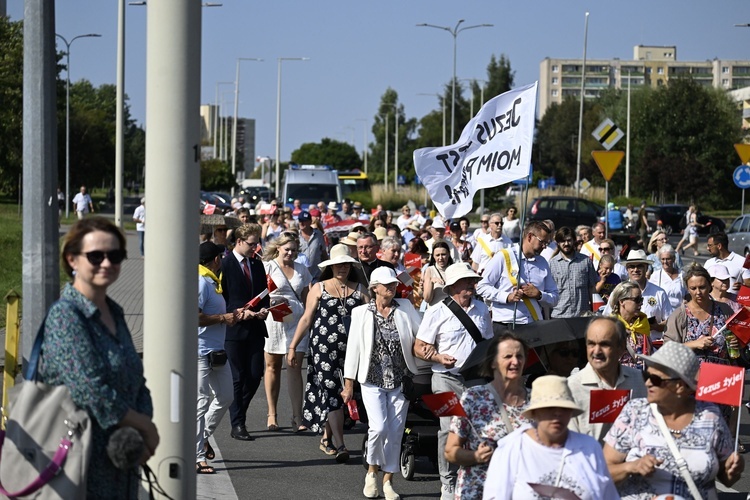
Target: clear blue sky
359 48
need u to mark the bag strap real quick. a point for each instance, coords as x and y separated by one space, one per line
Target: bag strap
464 318
46 475
36 351
501 406
681 463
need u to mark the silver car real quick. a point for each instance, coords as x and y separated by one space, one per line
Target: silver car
739 235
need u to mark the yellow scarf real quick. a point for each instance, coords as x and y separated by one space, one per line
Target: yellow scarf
204 271
640 326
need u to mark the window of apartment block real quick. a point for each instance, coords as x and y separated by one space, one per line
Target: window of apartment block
554 80
725 82
554 93
660 70
555 68
725 69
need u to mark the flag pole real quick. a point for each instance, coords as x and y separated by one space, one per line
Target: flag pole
739 417
520 243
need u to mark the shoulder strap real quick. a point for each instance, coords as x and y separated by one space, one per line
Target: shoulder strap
681 463
287 281
514 283
36 352
464 318
485 247
501 406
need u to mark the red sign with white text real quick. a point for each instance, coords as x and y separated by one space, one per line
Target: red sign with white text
720 384
739 323
412 260
743 295
605 405
445 404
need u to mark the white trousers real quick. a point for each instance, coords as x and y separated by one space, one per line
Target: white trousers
386 414
215 387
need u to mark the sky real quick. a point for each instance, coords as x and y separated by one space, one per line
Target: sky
360 48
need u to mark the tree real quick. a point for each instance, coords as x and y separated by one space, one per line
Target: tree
406 128
216 175
500 77
337 154
11 104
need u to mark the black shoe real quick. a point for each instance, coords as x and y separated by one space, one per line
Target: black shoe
240 432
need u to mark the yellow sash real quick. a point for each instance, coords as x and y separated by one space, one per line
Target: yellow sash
485 247
514 282
594 254
204 271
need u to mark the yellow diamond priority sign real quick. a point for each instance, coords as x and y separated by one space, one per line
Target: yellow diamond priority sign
744 151
608 161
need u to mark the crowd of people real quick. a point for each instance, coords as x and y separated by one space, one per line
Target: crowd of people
373 301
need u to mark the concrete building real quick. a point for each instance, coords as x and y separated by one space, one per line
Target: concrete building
245 138
651 65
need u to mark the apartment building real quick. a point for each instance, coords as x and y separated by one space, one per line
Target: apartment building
651 65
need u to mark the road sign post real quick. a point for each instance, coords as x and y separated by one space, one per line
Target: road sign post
741 175
607 161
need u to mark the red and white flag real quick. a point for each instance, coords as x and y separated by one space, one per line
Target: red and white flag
720 384
270 287
743 295
444 404
280 311
209 209
739 323
605 405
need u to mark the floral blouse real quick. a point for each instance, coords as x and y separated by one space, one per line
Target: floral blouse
697 329
387 363
483 413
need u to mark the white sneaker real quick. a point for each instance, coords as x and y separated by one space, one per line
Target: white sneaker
446 492
388 492
371 485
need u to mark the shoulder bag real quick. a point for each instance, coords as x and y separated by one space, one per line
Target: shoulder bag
681 463
46 444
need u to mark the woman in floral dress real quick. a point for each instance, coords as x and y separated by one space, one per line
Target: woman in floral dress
328 309
492 412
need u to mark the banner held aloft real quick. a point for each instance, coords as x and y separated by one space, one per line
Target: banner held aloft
494 149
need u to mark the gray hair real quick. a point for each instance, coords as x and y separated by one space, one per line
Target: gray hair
390 242
620 292
666 248
497 214
622 334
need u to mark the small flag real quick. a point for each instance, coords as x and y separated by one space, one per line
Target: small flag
209 209
720 384
739 324
605 405
444 404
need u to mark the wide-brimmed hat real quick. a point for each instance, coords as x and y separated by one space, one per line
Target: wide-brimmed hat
414 226
637 257
438 223
350 239
380 233
551 391
719 271
332 205
459 271
383 276
339 255
677 360
211 222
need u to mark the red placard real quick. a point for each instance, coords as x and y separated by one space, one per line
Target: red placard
606 404
445 404
209 209
412 260
720 384
739 323
743 295
532 358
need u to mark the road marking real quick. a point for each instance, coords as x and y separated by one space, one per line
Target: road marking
215 486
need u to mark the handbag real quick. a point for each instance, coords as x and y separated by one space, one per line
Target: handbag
46 444
681 463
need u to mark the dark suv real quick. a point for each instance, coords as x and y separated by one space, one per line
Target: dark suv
564 210
672 217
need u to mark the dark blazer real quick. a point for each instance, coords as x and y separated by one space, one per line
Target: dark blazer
237 293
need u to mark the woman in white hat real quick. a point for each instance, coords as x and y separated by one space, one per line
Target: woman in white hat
636 449
328 310
378 355
720 286
545 459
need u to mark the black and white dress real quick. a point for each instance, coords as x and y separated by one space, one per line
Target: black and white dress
325 366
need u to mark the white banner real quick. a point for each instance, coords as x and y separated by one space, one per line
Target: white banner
494 149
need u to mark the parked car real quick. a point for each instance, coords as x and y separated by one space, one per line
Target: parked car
672 215
738 235
211 198
564 210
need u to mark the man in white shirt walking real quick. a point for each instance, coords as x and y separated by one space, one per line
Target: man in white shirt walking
82 203
139 216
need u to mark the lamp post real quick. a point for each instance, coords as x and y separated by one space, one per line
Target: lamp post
364 141
385 156
236 106
67 113
216 130
454 32
395 148
580 114
278 121
442 100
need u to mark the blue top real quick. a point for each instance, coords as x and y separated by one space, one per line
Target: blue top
104 375
210 338
615 220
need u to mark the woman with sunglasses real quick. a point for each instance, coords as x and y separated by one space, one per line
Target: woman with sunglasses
625 302
636 450
696 322
88 348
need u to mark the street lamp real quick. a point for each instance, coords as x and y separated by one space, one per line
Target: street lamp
441 100
234 125
364 141
454 31
395 154
278 121
385 156
216 130
67 113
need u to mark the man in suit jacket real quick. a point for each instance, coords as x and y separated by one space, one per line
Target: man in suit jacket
243 278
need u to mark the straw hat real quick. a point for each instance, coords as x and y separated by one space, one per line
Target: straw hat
459 271
211 222
677 360
637 257
351 239
380 233
552 391
413 226
339 255
383 276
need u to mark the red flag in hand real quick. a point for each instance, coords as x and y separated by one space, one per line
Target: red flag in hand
209 209
720 384
445 404
270 284
280 311
605 405
739 324
743 295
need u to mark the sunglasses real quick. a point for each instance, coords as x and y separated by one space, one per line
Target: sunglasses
656 380
567 353
637 300
605 249
113 256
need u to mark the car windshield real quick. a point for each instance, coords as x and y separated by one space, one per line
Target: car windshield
311 193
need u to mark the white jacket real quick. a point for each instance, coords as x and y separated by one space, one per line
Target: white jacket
361 337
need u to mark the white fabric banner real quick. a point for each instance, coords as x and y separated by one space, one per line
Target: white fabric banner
494 149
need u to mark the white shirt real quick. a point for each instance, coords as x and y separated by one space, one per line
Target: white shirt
549 250
441 328
496 286
82 201
591 249
733 263
139 216
479 254
404 221
477 233
675 288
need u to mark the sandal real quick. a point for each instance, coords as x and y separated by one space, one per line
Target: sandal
342 454
273 427
325 447
204 469
210 455
297 425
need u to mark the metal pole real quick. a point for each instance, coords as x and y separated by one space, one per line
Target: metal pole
395 155
444 143
580 114
453 83
606 209
743 202
278 121
173 158
627 147
236 108
385 180
40 248
120 114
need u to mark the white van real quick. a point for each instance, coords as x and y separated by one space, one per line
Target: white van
311 184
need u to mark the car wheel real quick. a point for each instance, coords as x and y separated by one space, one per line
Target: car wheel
668 229
747 252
